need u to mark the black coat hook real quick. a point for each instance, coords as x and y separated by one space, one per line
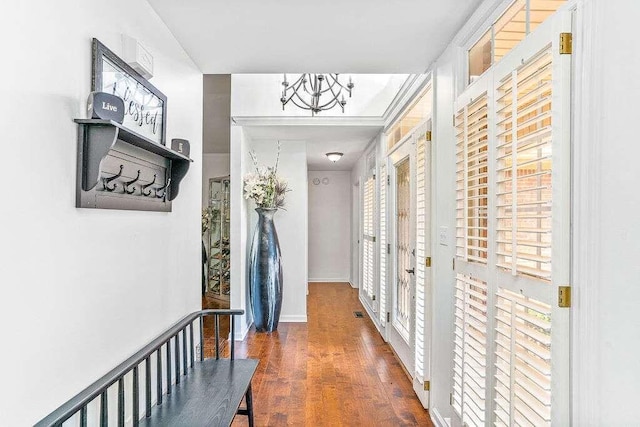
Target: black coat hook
128 183
106 181
144 187
164 187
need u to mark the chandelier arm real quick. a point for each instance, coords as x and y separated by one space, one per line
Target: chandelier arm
334 103
316 98
301 83
300 99
346 88
335 79
330 86
290 88
288 99
335 95
296 96
308 86
329 105
293 97
296 82
294 90
299 79
304 107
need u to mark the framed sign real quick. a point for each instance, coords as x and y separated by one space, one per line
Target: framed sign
145 107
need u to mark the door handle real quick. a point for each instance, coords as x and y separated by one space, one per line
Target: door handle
410 270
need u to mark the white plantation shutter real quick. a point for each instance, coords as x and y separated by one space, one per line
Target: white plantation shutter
470 329
472 181
383 243
470 344
368 237
524 241
458 345
422 227
523 361
524 169
512 237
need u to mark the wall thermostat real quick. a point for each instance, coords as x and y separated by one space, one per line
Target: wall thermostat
137 56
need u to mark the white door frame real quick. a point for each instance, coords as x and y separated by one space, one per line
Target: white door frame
422 135
404 348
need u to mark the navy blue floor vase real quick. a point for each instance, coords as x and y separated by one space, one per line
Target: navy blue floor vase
265 273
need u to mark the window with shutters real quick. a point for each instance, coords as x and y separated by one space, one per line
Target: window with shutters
470 329
383 243
412 117
521 18
368 250
472 181
524 167
470 349
523 361
511 351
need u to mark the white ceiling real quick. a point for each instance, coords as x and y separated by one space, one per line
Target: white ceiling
336 36
350 140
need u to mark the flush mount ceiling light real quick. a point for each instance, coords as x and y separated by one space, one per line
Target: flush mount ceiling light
334 157
308 89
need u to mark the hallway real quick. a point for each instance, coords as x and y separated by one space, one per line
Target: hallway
334 370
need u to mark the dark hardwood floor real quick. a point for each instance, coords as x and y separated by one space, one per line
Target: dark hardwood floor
334 370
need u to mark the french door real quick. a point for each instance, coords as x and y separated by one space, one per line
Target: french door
511 350
401 334
422 349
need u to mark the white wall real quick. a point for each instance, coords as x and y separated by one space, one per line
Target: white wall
606 341
443 194
291 224
330 226
83 289
240 162
213 166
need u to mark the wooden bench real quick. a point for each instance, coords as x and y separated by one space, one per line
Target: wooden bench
205 392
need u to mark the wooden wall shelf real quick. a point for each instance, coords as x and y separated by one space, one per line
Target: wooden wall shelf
97 141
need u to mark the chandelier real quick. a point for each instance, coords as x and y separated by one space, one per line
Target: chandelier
316 92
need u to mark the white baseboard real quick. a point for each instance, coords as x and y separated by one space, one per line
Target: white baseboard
242 333
372 315
439 420
423 395
294 319
353 286
340 280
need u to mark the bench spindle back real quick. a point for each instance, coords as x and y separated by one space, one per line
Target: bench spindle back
184 357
